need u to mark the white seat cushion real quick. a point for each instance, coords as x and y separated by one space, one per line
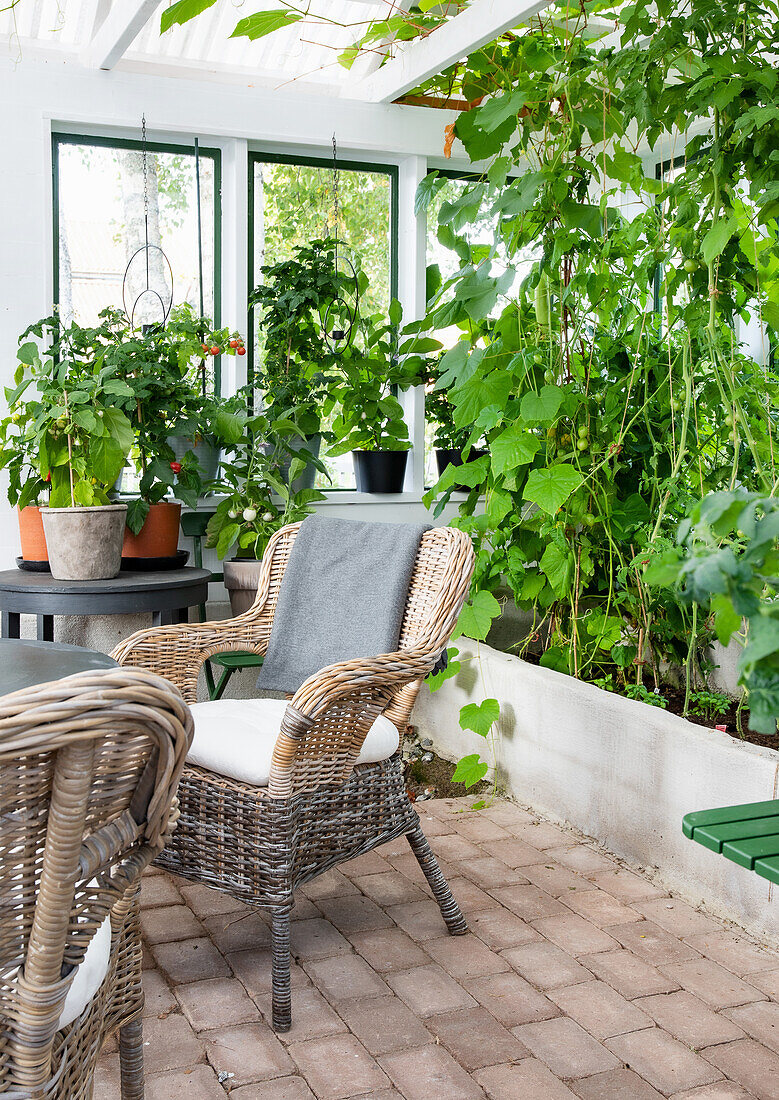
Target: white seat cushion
235 737
89 976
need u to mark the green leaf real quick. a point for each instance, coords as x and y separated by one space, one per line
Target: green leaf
228 426
27 353
437 679
107 459
726 620
476 617
427 190
512 448
265 22
558 568
117 425
480 717
717 237
137 511
182 12
549 488
541 407
470 770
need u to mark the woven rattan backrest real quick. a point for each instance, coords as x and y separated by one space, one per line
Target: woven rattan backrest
88 771
440 580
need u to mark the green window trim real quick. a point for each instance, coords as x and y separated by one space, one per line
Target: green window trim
214 154
259 157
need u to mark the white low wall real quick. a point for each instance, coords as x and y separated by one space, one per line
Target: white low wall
620 771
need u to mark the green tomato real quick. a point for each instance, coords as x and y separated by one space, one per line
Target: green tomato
538 357
690 266
729 421
583 431
588 519
582 445
549 376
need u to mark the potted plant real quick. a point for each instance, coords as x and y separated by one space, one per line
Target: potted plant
160 392
209 422
294 302
76 442
370 422
452 444
257 502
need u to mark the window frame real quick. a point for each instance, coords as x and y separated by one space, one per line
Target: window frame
258 156
59 138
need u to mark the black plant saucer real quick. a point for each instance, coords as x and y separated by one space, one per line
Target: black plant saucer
152 565
33 566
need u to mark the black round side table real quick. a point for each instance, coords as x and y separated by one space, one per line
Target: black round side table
167 594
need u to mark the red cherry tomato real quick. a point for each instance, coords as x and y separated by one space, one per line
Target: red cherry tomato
233 343
215 350
204 347
241 350
175 467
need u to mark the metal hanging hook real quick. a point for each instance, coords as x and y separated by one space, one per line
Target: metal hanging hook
340 337
166 302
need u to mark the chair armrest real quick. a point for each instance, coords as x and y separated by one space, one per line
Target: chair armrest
328 719
178 652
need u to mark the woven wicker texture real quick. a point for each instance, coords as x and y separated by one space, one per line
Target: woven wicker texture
89 767
318 810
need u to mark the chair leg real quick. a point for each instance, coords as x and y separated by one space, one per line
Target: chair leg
450 910
131 1059
282 1000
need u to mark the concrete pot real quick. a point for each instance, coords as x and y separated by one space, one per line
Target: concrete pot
85 544
241 580
618 770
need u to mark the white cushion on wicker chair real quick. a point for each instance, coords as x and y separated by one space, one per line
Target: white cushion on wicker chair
90 974
235 738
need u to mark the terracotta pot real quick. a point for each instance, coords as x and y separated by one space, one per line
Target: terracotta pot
85 544
31 534
159 536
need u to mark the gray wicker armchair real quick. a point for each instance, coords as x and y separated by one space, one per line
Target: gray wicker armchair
319 804
88 772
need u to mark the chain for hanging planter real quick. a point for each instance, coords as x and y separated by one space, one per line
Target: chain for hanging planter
163 296
339 313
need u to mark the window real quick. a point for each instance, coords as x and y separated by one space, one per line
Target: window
99 225
291 204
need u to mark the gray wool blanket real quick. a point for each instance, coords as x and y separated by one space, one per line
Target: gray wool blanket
342 596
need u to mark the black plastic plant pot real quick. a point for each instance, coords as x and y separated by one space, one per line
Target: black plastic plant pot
380 471
452 456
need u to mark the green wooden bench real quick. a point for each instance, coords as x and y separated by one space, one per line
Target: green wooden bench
747 835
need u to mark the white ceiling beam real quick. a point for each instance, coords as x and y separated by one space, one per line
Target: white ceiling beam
117 32
482 22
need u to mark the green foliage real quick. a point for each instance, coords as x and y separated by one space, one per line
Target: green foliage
257 476
709 704
371 370
295 370
727 561
605 419
63 432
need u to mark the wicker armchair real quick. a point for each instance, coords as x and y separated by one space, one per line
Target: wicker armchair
88 772
259 843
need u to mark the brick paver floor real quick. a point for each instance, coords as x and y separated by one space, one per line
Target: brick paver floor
579 978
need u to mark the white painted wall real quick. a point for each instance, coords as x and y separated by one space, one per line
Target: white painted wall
616 769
